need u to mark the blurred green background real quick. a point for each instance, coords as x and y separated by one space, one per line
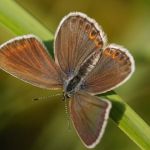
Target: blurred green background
42 125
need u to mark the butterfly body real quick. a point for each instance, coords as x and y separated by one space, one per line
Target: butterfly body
72 86
76 83
84 66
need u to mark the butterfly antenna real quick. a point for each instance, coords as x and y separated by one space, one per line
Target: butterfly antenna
46 97
67 114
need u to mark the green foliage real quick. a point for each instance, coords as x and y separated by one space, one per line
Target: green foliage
20 22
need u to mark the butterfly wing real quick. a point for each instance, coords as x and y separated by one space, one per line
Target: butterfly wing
115 66
76 38
26 58
89 115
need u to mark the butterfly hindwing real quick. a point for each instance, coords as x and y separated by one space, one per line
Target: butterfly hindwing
89 115
115 66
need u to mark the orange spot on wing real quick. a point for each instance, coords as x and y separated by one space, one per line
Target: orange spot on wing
114 55
92 35
98 42
107 52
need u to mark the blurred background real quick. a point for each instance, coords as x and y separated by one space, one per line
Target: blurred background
42 125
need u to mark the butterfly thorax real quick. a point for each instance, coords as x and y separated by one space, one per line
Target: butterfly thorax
76 82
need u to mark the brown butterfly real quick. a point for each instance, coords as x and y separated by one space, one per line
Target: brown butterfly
84 66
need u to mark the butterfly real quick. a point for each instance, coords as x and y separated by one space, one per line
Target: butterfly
84 65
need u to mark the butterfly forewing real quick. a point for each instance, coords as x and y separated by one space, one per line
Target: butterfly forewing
89 115
76 38
115 66
27 59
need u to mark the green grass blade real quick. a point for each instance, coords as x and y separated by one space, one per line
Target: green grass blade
128 121
19 21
